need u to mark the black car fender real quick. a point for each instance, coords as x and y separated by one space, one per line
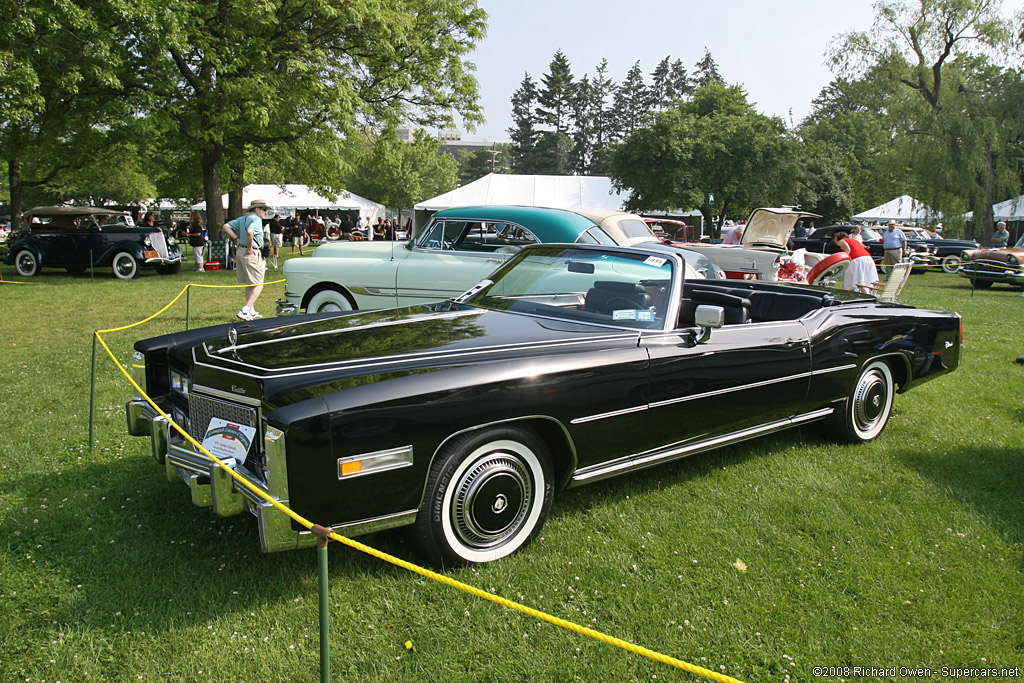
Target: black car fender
24 244
552 432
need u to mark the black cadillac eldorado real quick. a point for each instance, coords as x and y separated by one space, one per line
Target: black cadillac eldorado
569 364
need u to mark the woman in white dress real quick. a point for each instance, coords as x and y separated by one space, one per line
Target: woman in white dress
861 271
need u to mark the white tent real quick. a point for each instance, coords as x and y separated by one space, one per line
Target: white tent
555 191
1010 210
904 209
291 198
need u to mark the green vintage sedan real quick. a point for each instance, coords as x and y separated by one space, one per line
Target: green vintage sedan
454 251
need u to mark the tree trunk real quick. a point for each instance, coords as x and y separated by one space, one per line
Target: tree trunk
989 187
14 183
236 181
211 191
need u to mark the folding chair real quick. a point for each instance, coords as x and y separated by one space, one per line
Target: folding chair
891 287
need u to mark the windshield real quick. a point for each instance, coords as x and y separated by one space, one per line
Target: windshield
587 285
869 235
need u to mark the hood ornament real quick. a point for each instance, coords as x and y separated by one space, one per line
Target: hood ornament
232 336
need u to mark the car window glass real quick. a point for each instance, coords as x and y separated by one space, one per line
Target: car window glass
625 290
595 235
869 235
510 234
444 235
635 229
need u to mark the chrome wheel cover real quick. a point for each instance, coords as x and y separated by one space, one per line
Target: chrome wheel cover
491 500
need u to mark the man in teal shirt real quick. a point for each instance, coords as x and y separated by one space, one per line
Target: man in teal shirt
247 232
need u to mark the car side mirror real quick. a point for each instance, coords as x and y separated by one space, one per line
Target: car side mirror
708 318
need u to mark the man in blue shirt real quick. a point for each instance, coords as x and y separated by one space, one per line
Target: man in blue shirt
894 242
247 232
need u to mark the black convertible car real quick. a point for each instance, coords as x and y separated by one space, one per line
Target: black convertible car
567 365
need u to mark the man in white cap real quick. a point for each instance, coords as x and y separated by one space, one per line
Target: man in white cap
247 232
894 242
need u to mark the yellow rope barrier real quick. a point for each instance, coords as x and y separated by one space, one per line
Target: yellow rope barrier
537 614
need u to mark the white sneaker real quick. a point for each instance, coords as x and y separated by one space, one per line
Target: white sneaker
243 315
253 314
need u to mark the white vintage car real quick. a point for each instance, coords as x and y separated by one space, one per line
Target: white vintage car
458 248
764 240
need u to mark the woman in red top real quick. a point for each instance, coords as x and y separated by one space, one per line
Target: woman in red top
861 271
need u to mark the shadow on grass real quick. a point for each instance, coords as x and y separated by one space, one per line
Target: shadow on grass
989 480
118 537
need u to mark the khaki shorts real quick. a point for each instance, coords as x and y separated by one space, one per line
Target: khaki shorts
250 269
276 239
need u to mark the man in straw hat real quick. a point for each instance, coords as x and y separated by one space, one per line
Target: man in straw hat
894 243
247 232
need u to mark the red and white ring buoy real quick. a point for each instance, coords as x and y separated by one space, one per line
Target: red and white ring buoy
829 266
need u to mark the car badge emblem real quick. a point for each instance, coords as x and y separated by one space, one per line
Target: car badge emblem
500 503
949 344
237 390
876 401
233 336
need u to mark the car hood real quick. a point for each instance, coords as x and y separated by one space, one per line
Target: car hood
1000 254
771 227
348 350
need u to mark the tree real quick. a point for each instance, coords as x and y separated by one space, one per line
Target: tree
400 174
926 47
225 77
715 145
706 70
524 134
632 102
62 91
555 106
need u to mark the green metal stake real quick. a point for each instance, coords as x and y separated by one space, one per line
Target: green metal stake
92 394
188 307
325 614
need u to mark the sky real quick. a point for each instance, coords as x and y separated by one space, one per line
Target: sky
775 49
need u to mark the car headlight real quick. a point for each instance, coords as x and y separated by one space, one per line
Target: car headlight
171 241
1012 260
146 241
179 383
964 256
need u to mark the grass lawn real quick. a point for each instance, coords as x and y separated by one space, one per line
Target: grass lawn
907 551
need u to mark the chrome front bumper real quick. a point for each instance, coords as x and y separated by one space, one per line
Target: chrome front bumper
285 307
993 272
210 486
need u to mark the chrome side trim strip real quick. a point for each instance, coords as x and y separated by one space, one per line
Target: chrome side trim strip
717 392
367 526
674 451
228 396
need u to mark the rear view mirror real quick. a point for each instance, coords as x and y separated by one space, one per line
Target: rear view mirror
708 318
581 267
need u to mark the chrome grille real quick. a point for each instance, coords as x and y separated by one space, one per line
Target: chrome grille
990 267
202 409
159 244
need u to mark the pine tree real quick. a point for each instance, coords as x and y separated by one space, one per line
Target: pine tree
555 106
678 84
707 70
524 135
632 102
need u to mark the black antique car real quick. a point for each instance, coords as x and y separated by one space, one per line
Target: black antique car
922 253
948 251
567 365
79 237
